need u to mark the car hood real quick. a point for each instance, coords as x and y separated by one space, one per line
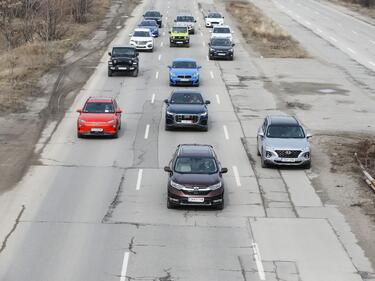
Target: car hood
185 23
282 144
215 19
186 108
200 180
134 38
184 71
221 35
123 58
97 117
179 34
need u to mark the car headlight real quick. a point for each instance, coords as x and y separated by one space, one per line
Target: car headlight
230 50
176 185
111 121
169 113
203 114
172 74
215 186
135 62
307 155
212 50
114 61
268 154
195 74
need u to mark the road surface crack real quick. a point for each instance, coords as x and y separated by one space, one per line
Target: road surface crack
17 221
115 202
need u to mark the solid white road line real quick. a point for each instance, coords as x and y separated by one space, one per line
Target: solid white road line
124 268
212 75
236 175
157 75
159 57
147 131
139 179
161 44
351 50
218 99
258 261
333 39
372 63
298 17
226 132
153 98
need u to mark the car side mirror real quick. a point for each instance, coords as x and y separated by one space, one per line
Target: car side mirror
161 16
175 20
233 44
205 17
261 134
209 44
166 101
169 32
199 67
118 110
79 110
169 66
224 170
207 102
131 34
195 20
308 135
110 54
137 54
167 169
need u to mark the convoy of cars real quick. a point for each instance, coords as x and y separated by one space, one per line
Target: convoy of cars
195 173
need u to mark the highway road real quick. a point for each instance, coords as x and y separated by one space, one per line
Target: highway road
95 209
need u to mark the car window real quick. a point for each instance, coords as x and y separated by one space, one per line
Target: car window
152 14
278 131
118 52
99 107
179 29
214 15
221 42
186 98
195 165
141 34
221 30
184 64
185 18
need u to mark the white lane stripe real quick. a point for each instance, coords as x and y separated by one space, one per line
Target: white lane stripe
208 59
218 99
317 13
159 57
226 132
124 268
298 17
333 39
164 33
258 261
161 44
212 75
157 75
166 18
204 44
153 98
351 50
372 63
139 179
201 33
236 175
147 131
197 18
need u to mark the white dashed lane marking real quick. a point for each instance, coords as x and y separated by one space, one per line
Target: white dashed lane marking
139 179
218 99
124 267
147 131
226 134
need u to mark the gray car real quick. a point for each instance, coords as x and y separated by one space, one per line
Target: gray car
282 140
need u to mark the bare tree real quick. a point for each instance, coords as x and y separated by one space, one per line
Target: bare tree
80 9
8 13
51 15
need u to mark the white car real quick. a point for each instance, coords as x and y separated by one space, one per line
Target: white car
186 20
213 18
222 31
142 39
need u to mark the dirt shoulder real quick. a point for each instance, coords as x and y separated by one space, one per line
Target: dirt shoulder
355 7
46 98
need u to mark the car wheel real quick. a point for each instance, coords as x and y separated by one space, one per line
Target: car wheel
168 128
221 205
115 135
135 72
263 162
169 204
170 45
110 73
79 135
308 165
258 152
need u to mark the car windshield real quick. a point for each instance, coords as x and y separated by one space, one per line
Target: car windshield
221 42
179 29
186 98
99 107
141 34
185 18
285 132
214 15
195 165
119 52
184 64
221 30
148 23
152 14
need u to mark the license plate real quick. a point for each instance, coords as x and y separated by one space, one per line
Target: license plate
196 200
179 42
221 54
96 130
186 121
184 79
289 160
122 68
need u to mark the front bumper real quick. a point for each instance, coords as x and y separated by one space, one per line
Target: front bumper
186 121
91 129
221 54
148 46
178 41
180 198
174 81
212 23
301 160
124 68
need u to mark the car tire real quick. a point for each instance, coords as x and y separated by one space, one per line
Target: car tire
205 129
258 152
308 165
110 73
263 163
168 128
80 136
115 135
171 45
220 206
170 205
135 72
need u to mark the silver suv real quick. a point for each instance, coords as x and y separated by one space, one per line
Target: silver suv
282 140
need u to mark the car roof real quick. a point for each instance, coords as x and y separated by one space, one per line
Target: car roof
185 59
195 150
100 99
184 15
282 120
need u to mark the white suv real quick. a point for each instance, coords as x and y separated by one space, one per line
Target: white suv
142 39
222 31
213 18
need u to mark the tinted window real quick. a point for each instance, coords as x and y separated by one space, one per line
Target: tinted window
221 30
221 42
184 64
118 52
179 29
195 165
99 107
285 132
148 23
153 14
214 15
141 34
186 98
185 18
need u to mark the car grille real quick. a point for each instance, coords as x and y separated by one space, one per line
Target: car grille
186 117
184 76
196 192
214 22
179 37
141 42
288 153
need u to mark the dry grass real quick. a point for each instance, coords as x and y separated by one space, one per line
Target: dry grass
23 66
268 38
355 6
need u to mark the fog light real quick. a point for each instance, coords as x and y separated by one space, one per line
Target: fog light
268 154
306 155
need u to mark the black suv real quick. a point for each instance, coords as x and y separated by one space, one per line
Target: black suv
186 109
123 59
221 48
195 177
154 15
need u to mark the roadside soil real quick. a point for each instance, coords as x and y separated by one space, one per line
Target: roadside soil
43 99
355 7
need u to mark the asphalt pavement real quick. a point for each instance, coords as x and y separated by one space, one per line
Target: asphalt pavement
95 209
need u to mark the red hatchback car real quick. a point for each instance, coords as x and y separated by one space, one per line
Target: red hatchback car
99 117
